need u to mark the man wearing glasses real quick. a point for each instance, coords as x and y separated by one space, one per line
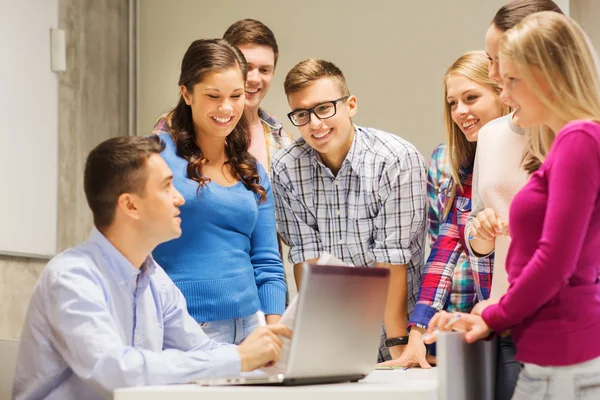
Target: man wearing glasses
356 193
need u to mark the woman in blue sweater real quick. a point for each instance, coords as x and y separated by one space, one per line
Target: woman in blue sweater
227 261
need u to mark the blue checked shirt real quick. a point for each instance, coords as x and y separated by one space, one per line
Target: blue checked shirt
373 210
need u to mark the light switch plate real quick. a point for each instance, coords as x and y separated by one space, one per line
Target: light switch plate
58 52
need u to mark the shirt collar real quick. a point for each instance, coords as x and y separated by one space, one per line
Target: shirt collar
513 127
117 261
270 120
355 154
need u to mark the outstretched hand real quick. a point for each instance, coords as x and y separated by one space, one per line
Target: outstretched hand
473 325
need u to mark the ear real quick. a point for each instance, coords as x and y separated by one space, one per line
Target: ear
352 105
127 205
187 96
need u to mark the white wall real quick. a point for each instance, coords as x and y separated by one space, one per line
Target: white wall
564 5
29 115
393 53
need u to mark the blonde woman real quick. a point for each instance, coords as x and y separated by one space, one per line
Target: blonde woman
470 101
552 305
502 168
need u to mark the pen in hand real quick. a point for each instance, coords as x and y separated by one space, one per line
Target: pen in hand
260 316
262 321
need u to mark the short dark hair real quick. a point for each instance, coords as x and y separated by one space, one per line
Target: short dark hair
512 13
114 167
251 31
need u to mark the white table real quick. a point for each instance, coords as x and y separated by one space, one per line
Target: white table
412 384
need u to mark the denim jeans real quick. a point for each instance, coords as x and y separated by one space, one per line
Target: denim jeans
507 369
232 331
573 382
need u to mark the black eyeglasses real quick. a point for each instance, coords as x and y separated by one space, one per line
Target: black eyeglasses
323 110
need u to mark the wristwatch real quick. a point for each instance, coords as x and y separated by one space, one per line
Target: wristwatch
396 341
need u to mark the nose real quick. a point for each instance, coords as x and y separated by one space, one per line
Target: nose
505 96
178 200
462 108
315 122
226 106
253 75
494 72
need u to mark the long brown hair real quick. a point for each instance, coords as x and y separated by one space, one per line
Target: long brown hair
506 18
472 65
201 58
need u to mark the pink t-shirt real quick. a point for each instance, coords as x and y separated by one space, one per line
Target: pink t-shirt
552 304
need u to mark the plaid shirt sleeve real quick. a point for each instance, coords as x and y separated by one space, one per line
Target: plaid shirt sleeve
402 192
296 223
464 294
437 168
437 280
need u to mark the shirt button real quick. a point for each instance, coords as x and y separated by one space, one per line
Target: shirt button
338 212
336 182
341 241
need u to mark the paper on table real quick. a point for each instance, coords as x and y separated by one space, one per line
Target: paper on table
328 259
289 318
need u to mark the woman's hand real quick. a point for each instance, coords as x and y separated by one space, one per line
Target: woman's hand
482 305
474 326
487 225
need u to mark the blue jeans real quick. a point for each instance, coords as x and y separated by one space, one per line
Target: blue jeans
232 331
507 369
578 381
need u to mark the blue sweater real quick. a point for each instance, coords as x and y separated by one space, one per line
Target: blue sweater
226 261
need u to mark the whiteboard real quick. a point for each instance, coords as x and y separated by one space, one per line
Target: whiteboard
29 126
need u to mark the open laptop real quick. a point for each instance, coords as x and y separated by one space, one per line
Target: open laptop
336 330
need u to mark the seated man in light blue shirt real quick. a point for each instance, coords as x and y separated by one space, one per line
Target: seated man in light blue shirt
104 315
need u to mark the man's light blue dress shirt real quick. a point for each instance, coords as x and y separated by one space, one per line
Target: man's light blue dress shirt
95 323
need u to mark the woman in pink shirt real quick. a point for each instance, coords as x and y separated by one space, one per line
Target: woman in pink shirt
552 306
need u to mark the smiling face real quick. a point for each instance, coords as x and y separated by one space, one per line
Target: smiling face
331 137
529 109
472 105
217 102
261 68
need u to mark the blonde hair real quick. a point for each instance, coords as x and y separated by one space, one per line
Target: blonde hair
472 65
307 72
556 46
